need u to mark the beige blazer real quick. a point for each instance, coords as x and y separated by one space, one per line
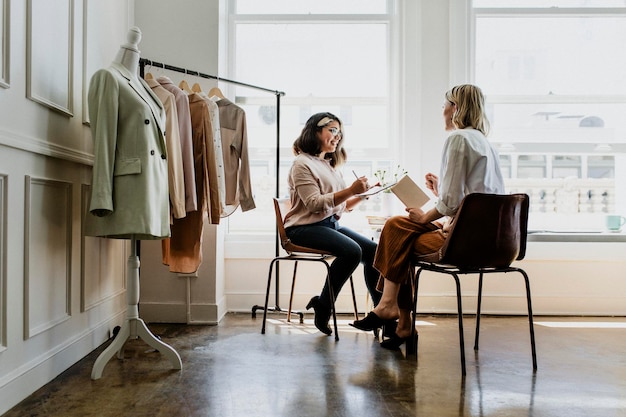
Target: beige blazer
176 180
186 145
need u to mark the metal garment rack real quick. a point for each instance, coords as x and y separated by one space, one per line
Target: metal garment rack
142 65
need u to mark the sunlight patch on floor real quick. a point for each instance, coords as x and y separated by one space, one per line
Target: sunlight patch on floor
308 326
583 324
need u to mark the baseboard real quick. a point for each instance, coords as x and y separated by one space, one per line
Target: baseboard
209 314
23 381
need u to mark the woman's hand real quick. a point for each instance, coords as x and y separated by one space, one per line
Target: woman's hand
359 186
350 194
432 183
416 214
422 217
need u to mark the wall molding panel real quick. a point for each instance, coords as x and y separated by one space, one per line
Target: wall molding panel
101 20
3 261
102 275
5 43
47 254
50 54
42 147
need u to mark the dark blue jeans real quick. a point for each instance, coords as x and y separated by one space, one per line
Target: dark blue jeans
350 249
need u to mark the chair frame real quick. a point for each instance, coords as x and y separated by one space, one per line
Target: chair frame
296 253
455 272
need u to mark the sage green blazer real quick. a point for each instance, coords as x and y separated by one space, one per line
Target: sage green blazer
129 188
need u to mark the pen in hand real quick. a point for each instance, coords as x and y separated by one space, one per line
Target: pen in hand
358 178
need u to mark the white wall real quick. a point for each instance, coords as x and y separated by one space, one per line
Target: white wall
185 35
60 293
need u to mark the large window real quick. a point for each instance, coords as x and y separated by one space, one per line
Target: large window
554 75
326 56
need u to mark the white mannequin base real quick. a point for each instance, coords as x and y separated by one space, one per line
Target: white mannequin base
133 326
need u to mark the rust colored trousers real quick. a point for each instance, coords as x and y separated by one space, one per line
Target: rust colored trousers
400 241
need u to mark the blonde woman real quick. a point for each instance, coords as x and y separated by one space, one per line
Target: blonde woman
469 164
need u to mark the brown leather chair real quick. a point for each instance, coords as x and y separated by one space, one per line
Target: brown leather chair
296 254
487 235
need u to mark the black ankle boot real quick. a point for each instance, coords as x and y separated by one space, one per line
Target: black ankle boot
322 315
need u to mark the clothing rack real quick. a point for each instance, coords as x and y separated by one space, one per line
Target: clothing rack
142 65
143 62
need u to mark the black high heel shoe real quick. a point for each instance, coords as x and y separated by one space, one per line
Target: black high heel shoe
388 330
370 322
322 315
396 341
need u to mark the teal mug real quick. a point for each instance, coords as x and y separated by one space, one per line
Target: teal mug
614 222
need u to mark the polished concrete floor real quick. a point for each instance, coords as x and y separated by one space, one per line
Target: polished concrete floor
231 370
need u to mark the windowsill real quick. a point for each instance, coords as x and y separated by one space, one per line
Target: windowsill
263 246
576 236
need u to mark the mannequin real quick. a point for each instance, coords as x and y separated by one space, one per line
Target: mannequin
128 55
128 199
129 193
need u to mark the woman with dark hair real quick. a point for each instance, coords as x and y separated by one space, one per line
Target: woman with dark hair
319 196
470 164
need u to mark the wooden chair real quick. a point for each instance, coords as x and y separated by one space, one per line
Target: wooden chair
487 235
296 254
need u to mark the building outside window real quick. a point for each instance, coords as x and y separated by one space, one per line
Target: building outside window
556 91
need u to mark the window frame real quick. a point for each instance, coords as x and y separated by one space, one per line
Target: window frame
389 19
463 20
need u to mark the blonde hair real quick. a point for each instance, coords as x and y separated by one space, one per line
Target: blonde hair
470 107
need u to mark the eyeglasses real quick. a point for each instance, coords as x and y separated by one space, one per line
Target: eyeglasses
335 131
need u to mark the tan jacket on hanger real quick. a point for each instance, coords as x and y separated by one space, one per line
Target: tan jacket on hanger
176 181
235 149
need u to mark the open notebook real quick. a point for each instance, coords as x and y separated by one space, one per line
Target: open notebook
410 193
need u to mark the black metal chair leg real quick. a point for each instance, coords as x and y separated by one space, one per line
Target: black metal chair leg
415 278
478 309
530 319
267 295
293 286
331 292
356 310
460 309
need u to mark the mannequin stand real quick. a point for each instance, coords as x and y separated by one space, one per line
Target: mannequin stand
133 326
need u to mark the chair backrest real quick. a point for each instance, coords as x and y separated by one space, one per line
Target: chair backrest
281 207
489 230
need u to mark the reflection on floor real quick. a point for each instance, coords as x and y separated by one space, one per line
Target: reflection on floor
231 370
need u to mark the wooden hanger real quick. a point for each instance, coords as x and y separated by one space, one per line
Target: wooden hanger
196 88
185 87
216 92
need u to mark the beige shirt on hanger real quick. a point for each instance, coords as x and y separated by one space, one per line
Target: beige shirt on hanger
236 163
186 145
176 181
